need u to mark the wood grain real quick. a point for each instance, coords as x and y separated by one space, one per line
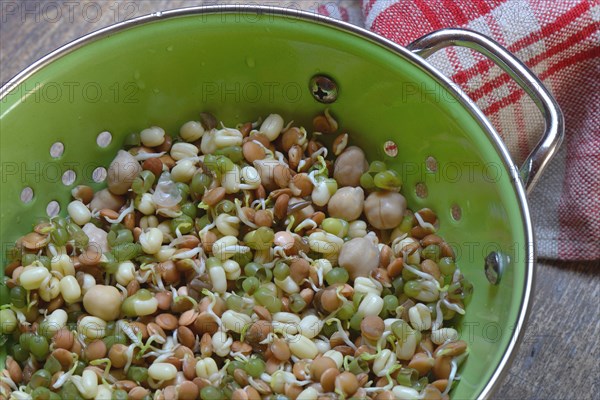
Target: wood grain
559 357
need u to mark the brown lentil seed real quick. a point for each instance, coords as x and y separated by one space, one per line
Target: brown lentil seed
442 367
320 365
63 339
261 387
418 232
299 370
252 393
129 221
117 355
440 384
262 313
281 205
34 241
327 379
206 347
284 239
447 251
132 287
258 331
95 350
208 240
422 363
239 394
125 385
385 256
299 269
205 324
186 336
167 161
167 321
385 395
280 349
64 357
263 218
451 349
363 349
201 383
431 268
395 267
431 393
138 393
187 391
164 300
253 151
137 326
188 367
213 196
346 383
137 232
329 299
188 317
240 376
246 128
250 213
153 165
271 365
83 193
363 378
291 391
14 370
155 330
260 192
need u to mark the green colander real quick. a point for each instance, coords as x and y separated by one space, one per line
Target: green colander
243 62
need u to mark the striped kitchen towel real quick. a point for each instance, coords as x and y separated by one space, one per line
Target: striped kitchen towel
560 41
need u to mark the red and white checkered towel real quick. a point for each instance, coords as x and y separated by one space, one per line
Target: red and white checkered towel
560 41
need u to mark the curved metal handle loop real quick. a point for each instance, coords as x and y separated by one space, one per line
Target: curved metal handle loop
554 132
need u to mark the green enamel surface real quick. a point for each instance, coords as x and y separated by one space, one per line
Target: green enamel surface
239 67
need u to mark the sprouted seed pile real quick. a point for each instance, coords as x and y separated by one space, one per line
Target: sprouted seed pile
235 263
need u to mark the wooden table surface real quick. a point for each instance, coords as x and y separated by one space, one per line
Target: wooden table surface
560 355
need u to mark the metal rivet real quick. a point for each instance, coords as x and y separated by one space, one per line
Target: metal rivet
323 89
495 264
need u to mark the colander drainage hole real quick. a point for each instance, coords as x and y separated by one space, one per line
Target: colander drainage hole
27 195
456 212
69 177
103 139
421 190
99 174
57 150
431 164
53 208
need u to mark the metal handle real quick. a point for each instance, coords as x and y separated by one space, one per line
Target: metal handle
554 131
